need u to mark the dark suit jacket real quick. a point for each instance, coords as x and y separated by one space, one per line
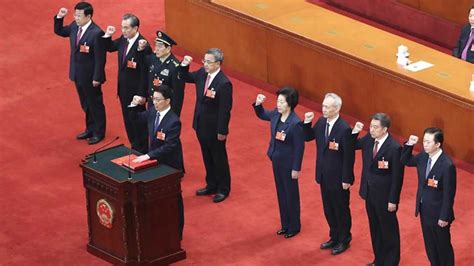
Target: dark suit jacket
461 44
437 202
211 116
84 67
288 152
385 183
335 166
168 151
128 78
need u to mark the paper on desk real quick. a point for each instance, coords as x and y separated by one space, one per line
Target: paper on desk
417 66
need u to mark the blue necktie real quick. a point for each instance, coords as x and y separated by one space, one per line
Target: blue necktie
157 122
428 168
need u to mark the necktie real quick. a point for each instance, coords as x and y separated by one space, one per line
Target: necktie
124 55
326 134
376 148
428 168
208 80
78 37
157 122
468 44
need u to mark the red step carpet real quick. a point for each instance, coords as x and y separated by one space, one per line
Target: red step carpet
42 200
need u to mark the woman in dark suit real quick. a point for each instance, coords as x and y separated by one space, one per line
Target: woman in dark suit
286 153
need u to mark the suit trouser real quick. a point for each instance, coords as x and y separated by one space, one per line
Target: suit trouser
288 197
437 242
93 106
137 132
337 212
384 230
214 154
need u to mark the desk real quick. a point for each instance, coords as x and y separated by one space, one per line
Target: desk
317 51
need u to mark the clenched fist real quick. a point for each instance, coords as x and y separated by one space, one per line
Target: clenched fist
358 127
260 99
186 60
141 45
110 30
62 12
412 140
308 117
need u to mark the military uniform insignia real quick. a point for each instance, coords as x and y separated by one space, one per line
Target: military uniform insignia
176 64
165 72
152 67
159 34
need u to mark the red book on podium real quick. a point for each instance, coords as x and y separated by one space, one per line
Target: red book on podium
127 161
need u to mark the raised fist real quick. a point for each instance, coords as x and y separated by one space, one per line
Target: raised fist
260 99
110 30
141 45
62 12
187 60
308 117
358 127
412 140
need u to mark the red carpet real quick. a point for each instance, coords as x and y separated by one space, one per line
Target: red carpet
42 206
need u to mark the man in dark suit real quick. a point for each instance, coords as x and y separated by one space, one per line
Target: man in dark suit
380 186
86 67
465 46
334 170
164 128
435 194
130 67
211 120
162 68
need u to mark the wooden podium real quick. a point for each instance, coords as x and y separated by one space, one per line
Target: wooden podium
132 221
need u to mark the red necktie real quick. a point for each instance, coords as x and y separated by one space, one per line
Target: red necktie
374 152
208 80
124 55
78 37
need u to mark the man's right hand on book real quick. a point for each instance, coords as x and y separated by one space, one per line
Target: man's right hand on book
141 158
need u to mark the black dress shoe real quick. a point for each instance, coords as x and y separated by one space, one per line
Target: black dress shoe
290 235
205 191
281 232
219 197
329 244
94 140
84 135
339 248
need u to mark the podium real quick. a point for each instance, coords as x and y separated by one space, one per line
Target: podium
132 221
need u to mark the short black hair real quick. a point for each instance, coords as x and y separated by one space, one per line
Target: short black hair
383 118
438 134
88 10
290 94
166 91
134 21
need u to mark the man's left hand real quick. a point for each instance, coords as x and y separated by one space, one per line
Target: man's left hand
95 83
141 158
392 207
221 137
442 223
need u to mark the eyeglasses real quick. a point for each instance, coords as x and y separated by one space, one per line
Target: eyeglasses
208 62
157 99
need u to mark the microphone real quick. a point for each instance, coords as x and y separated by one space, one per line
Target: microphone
95 152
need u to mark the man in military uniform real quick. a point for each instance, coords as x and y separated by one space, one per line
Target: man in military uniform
162 69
